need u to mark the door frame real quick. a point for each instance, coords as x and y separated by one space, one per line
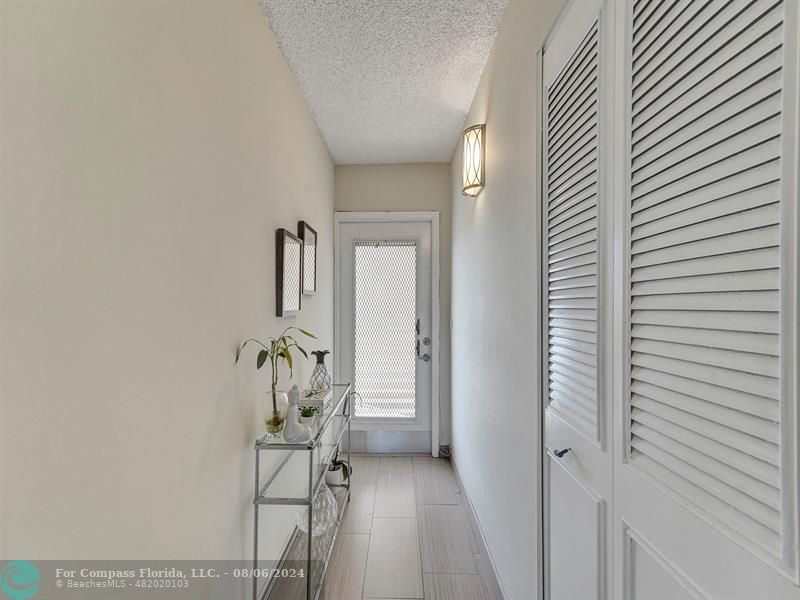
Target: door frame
432 217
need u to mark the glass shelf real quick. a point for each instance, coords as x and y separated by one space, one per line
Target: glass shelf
340 393
312 458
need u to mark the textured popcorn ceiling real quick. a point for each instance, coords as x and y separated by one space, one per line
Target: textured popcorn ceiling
387 80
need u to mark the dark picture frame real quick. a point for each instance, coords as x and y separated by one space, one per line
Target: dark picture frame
288 273
310 242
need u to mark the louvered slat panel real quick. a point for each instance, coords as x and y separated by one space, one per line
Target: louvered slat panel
746 403
582 254
724 435
652 37
704 257
657 219
768 495
745 83
766 279
743 500
574 324
746 463
704 45
580 139
724 378
571 197
746 322
580 205
703 149
652 193
586 280
688 142
757 427
757 228
729 340
580 218
646 15
658 266
576 367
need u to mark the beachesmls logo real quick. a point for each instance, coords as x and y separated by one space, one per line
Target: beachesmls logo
19 580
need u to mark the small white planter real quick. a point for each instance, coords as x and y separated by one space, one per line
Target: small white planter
335 477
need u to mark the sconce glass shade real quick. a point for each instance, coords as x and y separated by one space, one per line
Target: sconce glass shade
473 177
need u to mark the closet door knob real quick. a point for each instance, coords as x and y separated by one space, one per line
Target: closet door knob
561 453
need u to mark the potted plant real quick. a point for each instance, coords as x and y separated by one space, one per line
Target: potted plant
307 414
278 350
339 471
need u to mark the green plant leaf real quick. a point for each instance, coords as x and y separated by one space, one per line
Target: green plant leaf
306 333
294 344
287 356
262 358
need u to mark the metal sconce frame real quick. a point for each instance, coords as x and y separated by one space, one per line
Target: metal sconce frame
474 171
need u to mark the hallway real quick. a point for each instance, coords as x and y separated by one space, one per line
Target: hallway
554 241
407 534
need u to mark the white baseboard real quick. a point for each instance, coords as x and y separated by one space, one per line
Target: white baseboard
389 442
488 570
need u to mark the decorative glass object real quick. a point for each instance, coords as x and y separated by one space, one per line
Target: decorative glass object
320 378
325 515
274 423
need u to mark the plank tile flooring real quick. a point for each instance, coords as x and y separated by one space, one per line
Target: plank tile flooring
406 535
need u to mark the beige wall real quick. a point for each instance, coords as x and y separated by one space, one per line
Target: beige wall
149 151
495 305
424 187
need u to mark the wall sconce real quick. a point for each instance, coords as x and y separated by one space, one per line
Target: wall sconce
474 163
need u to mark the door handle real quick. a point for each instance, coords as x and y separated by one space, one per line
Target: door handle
561 453
427 341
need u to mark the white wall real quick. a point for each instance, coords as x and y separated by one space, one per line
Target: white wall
412 186
149 151
495 291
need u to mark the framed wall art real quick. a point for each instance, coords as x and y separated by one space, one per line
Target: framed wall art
309 236
288 272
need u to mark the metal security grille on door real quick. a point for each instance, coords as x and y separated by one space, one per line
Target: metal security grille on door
704 254
571 192
385 292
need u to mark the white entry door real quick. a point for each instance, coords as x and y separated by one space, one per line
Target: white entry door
576 89
386 343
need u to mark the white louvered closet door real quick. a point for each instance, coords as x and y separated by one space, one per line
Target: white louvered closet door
576 92
706 488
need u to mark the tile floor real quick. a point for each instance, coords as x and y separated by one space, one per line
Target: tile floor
406 535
